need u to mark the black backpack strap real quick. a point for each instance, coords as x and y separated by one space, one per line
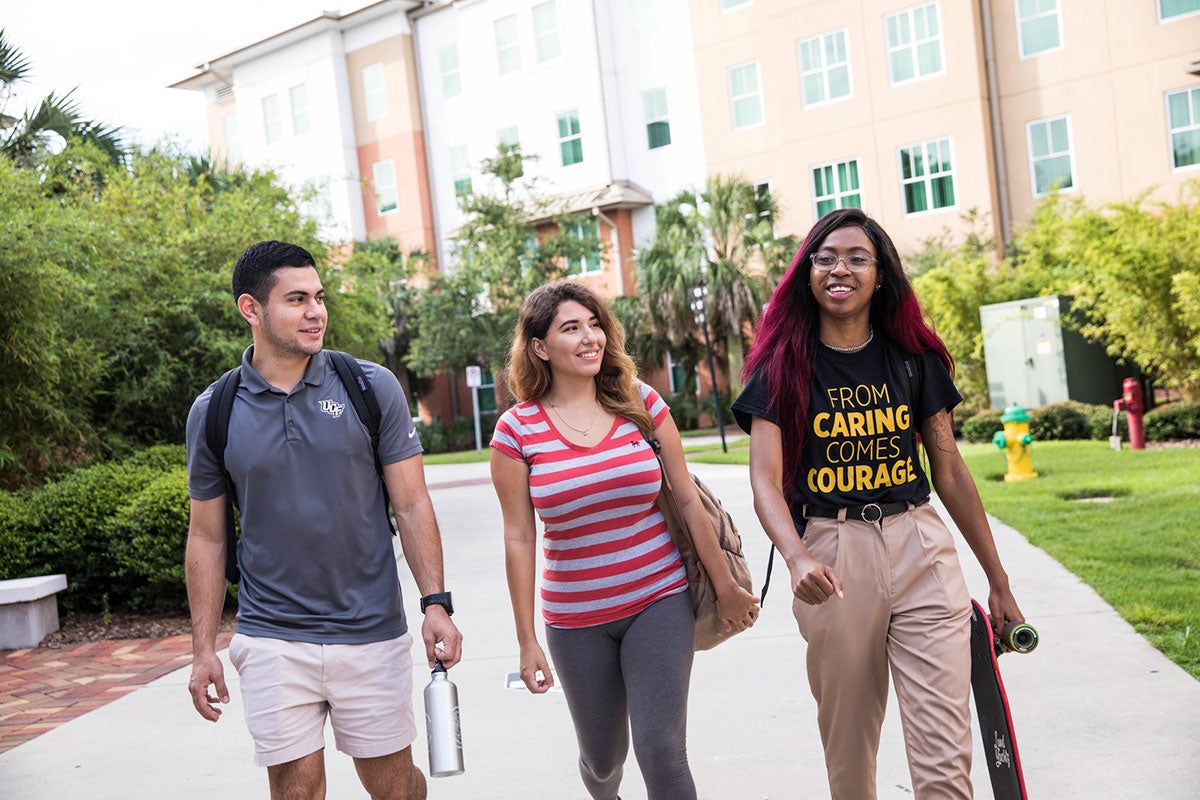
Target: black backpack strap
216 434
366 405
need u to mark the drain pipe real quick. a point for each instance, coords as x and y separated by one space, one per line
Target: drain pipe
1004 211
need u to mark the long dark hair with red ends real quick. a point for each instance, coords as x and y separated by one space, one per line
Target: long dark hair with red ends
787 336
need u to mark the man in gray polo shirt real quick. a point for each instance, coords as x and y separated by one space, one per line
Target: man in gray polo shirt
321 628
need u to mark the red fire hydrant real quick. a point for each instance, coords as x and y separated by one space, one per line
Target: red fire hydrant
1131 404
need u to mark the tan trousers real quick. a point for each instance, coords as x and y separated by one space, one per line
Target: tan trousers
905 606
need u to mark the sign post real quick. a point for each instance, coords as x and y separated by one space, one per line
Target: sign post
474 379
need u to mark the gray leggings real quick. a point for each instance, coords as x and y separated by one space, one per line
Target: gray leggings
632 672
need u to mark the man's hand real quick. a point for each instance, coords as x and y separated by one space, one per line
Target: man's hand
443 642
207 670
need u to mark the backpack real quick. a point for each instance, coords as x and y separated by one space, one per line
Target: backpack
216 434
906 364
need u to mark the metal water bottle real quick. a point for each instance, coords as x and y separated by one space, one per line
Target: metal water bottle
442 725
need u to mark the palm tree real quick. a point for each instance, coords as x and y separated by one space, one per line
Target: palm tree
26 138
722 238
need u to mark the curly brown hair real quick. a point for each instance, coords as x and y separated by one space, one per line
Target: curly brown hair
530 378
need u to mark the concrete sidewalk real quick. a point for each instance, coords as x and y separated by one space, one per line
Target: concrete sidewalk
1100 713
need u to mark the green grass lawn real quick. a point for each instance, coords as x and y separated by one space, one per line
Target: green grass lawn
461 457
1140 550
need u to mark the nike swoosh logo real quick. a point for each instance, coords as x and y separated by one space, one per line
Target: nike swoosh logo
412 433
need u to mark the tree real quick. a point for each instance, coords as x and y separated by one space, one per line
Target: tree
117 298
723 238
511 241
953 281
24 140
1129 267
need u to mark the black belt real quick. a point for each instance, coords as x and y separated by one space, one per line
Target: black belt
871 512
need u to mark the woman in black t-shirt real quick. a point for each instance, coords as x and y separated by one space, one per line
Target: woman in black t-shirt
843 375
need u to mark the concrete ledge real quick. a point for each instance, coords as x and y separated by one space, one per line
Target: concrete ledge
29 610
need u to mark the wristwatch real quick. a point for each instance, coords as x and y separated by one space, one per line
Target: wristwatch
438 599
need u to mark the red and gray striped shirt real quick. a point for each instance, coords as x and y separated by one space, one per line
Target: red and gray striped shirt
607 550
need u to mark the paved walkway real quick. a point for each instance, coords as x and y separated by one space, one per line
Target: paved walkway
43 688
1100 713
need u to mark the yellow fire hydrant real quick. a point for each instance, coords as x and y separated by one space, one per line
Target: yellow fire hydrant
1015 440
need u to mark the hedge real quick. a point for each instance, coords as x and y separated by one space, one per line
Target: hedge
93 523
1174 421
1074 420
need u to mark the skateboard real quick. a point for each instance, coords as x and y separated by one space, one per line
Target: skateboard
991 704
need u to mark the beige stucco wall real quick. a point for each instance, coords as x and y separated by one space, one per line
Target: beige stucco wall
871 125
1111 74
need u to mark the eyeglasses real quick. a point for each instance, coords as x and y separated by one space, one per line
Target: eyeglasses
855 262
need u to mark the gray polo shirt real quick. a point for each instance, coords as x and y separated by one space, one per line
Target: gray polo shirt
315 550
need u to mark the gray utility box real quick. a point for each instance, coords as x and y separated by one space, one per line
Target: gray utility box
1032 360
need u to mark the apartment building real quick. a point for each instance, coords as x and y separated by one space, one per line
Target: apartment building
920 111
333 106
588 88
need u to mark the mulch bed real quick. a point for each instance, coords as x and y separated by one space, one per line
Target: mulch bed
80 627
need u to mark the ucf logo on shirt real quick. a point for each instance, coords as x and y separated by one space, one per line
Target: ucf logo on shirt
861 439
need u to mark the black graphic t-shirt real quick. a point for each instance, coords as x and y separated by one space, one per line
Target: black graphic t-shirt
860 442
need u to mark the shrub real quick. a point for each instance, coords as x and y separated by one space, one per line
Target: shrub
1174 421
460 435
1065 420
149 536
14 541
159 457
685 410
1100 420
71 533
982 426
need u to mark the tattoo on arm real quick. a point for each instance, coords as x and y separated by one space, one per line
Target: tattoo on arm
943 433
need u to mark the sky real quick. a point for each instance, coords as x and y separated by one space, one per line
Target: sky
120 57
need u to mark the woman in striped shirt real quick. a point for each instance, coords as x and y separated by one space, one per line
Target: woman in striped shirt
614 596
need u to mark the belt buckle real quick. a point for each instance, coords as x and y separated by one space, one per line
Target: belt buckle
878 512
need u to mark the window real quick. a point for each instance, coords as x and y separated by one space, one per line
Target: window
508 46
824 67
729 5
645 18
460 169
927 175
508 137
451 83
374 91
1170 9
272 112
678 374
233 140
300 119
1039 26
914 43
586 230
545 32
384 174
1050 154
570 140
836 186
1183 122
509 140
658 128
745 95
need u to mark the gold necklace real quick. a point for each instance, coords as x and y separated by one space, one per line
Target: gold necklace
855 348
580 431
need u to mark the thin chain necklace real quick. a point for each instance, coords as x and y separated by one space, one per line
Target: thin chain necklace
855 348
580 431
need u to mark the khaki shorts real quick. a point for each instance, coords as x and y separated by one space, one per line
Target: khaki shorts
288 688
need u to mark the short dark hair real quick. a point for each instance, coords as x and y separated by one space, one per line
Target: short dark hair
254 272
